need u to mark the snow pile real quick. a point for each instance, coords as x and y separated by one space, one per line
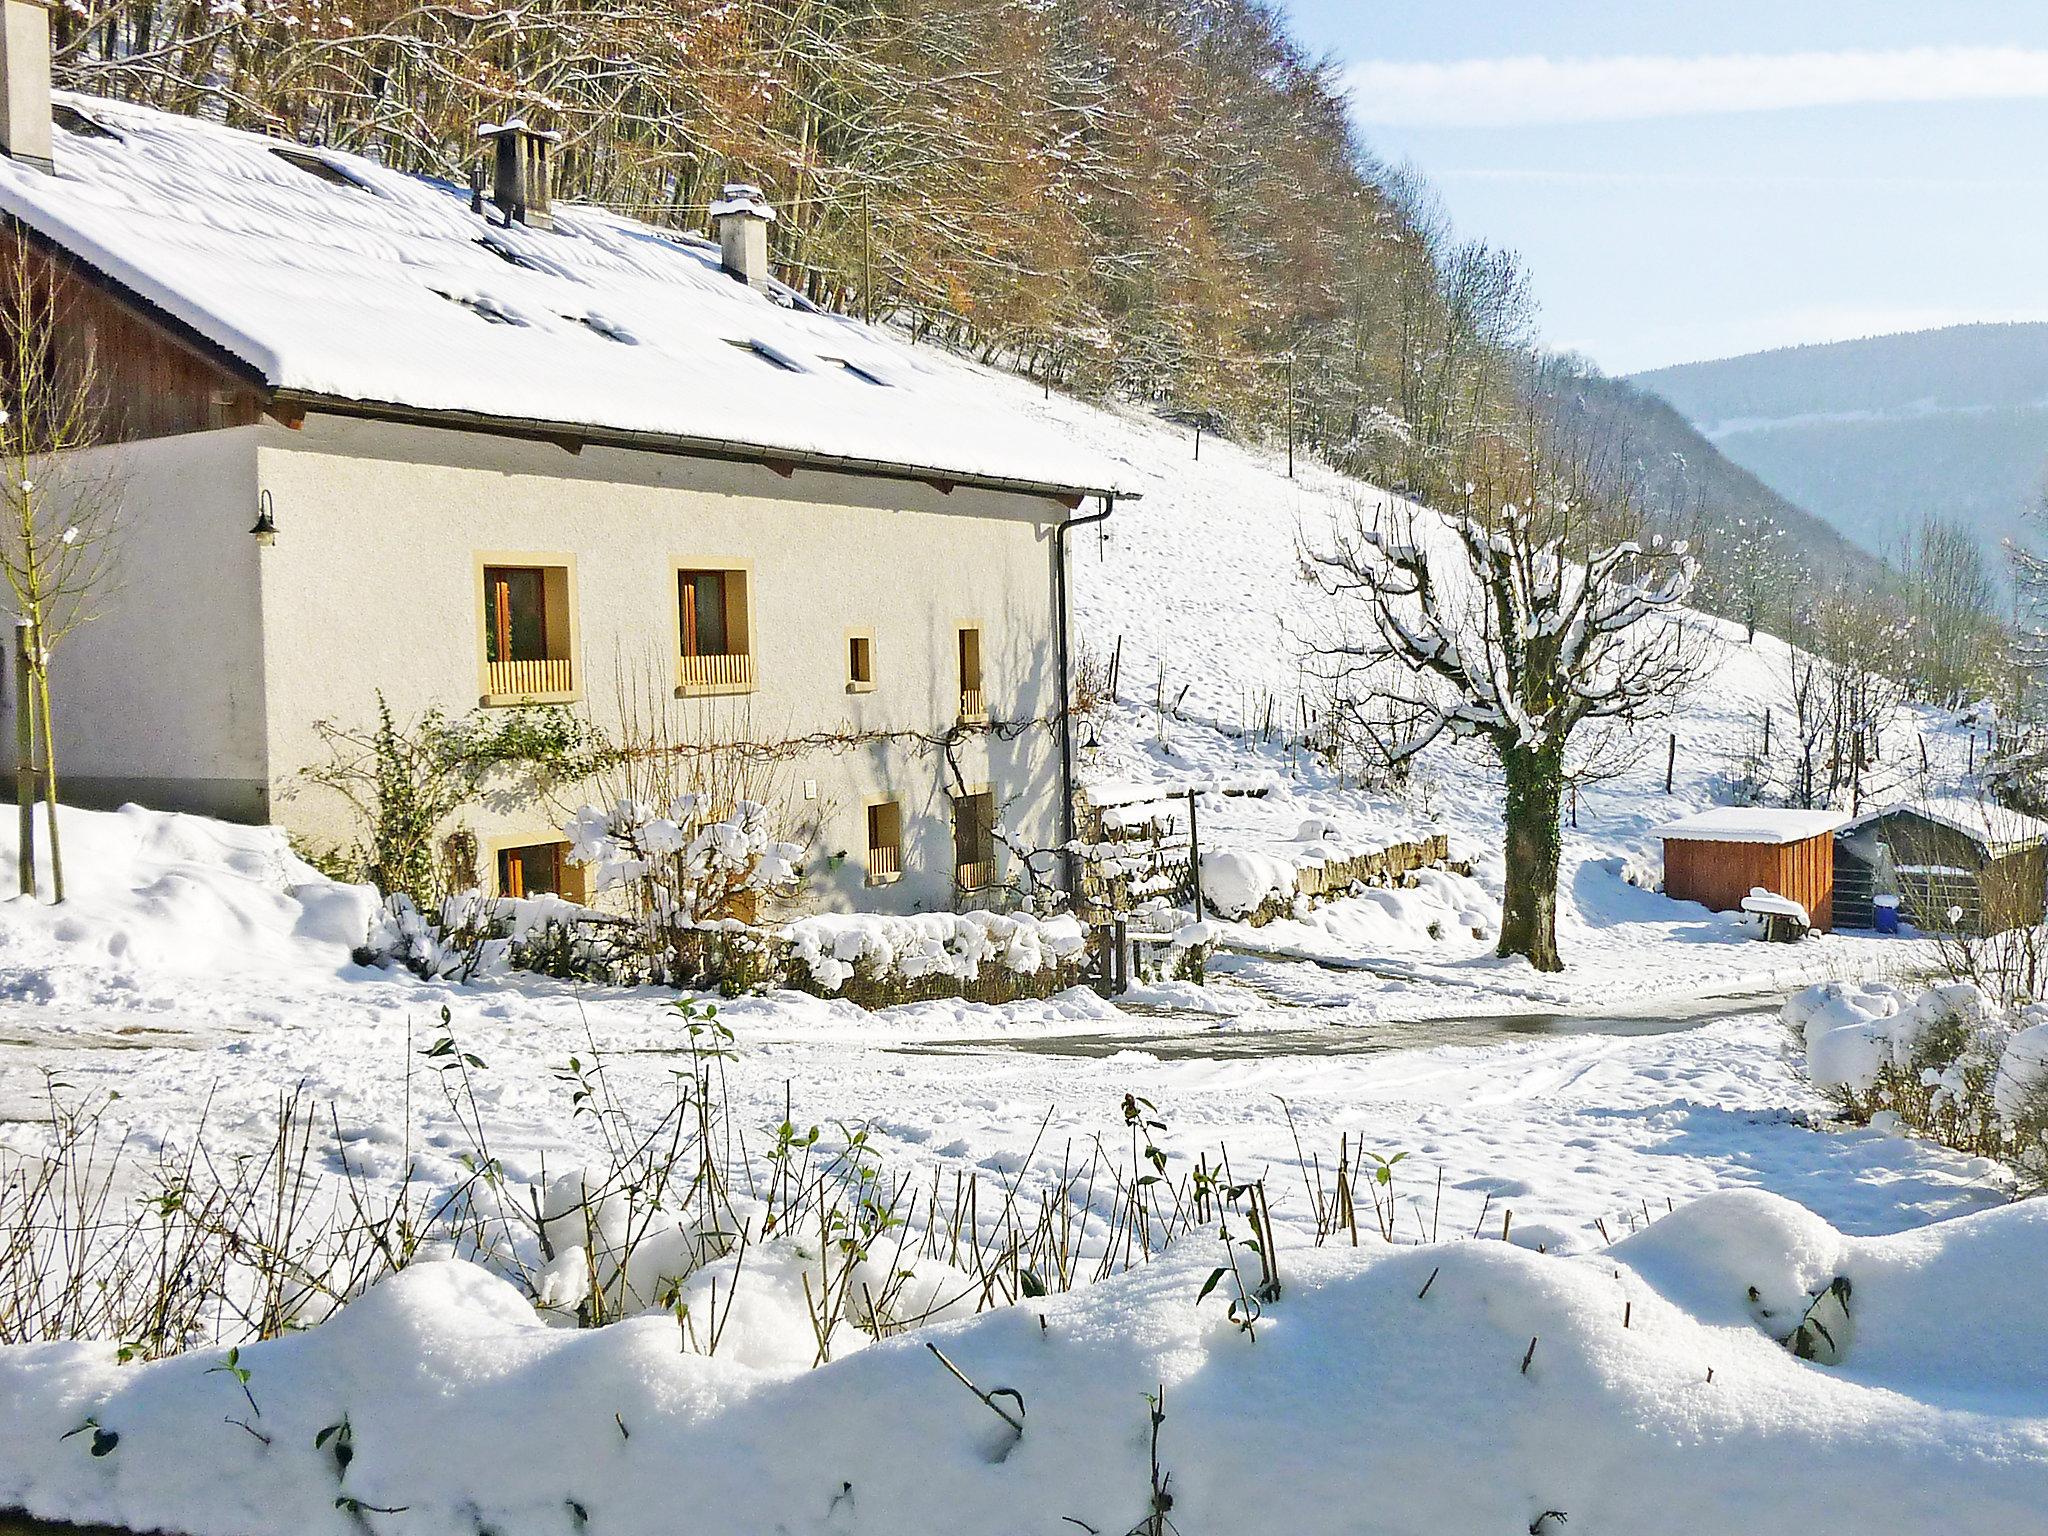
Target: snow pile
836 947
153 895
2020 1091
1625 1391
1852 1031
1236 882
1948 1063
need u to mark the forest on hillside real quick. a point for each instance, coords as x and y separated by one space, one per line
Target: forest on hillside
1162 199
1877 434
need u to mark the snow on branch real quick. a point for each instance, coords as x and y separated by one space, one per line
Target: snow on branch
1501 628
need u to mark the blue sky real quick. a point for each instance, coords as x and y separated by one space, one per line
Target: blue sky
1702 181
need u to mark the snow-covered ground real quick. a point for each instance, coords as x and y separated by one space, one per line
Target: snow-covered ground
1638 1146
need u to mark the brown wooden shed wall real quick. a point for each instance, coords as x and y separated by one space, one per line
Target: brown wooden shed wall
1719 875
148 381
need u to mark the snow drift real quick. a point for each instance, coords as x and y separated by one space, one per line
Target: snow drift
1640 1390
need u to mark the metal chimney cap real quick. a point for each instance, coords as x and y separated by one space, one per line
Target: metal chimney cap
516 125
745 200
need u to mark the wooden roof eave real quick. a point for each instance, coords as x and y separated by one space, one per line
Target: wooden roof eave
292 405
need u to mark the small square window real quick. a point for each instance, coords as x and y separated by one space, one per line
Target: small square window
973 701
860 663
974 840
885 842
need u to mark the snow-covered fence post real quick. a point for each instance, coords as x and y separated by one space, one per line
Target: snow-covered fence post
1670 762
1195 857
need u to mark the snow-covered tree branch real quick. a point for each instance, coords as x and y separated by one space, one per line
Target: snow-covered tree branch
1514 619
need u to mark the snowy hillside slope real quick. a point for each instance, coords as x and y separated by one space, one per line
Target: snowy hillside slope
1200 583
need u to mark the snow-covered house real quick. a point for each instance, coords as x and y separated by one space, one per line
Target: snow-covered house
472 446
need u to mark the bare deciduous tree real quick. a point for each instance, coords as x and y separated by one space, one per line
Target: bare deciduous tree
60 513
1519 621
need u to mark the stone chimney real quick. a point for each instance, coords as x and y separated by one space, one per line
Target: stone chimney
25 82
522 170
742 217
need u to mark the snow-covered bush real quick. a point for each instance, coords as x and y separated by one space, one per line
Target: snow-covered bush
684 861
1948 1063
463 936
1238 883
875 958
690 882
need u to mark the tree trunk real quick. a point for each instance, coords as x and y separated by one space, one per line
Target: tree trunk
48 724
25 759
1534 841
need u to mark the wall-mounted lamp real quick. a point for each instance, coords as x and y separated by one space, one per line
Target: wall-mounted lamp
265 531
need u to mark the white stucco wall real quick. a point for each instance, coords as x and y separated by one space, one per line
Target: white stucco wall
159 696
372 584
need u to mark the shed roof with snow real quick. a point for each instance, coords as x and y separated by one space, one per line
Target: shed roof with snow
1992 827
1752 824
332 279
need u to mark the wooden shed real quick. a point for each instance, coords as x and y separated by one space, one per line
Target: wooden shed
1718 857
1943 855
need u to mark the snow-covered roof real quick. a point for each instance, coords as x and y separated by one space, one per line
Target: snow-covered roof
1991 825
1751 824
334 278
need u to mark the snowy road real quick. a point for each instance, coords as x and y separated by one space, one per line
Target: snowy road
1570 1120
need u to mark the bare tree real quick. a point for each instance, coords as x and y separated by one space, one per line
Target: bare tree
1527 622
1846 681
1954 603
60 513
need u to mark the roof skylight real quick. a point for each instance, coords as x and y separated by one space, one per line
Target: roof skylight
71 120
846 365
485 307
768 354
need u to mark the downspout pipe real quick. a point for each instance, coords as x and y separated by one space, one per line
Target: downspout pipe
1068 831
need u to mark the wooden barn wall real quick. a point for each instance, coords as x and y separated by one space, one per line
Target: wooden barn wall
149 382
1719 875
2013 890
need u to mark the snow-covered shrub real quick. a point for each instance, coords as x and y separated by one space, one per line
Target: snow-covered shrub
2020 1095
690 882
462 936
877 959
1238 883
1935 1062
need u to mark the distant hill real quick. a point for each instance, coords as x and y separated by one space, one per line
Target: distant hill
1680 466
1872 434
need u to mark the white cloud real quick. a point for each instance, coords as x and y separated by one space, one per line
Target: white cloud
1537 89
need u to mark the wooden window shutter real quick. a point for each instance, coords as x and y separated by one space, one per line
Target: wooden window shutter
501 616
